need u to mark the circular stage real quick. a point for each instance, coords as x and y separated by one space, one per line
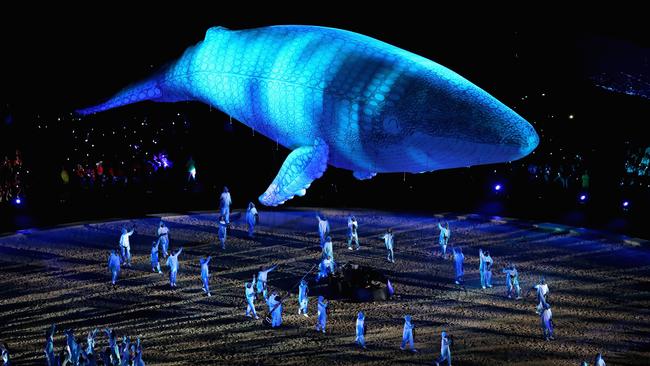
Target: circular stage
599 292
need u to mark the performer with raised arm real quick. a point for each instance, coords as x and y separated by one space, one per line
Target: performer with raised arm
172 262
205 274
125 246
262 277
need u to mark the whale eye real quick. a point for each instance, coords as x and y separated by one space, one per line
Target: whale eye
391 125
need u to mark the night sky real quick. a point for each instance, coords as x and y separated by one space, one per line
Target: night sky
542 66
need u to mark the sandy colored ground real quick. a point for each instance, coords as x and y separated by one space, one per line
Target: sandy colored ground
599 294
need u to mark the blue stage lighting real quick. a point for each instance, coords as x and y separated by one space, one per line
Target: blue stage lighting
18 201
583 197
497 187
626 204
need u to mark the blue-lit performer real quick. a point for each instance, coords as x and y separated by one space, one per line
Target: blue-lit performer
262 277
542 291
125 246
546 319
444 238
360 339
136 350
459 260
125 355
388 241
445 350
303 300
323 228
114 266
481 267
223 228
50 357
275 309
163 237
324 268
512 282
599 361
89 353
488 269
322 314
155 264
353 235
328 252
224 204
172 262
114 351
252 217
485 268
205 274
250 299
407 334
73 347
4 355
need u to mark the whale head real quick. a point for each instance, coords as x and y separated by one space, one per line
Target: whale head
438 120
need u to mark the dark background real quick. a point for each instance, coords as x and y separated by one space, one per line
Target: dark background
57 60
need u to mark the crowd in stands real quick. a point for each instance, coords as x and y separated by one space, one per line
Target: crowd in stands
107 176
636 172
12 174
567 173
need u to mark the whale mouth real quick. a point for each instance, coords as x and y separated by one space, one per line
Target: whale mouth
426 153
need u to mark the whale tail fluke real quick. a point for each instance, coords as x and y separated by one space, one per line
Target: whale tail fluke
151 89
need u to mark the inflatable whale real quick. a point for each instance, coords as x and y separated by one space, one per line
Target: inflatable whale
340 98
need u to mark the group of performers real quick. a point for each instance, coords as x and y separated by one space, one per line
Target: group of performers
258 286
77 353
129 353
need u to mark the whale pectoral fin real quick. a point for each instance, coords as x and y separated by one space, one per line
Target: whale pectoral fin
304 165
363 175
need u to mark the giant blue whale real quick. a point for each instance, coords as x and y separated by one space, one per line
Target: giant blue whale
340 98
